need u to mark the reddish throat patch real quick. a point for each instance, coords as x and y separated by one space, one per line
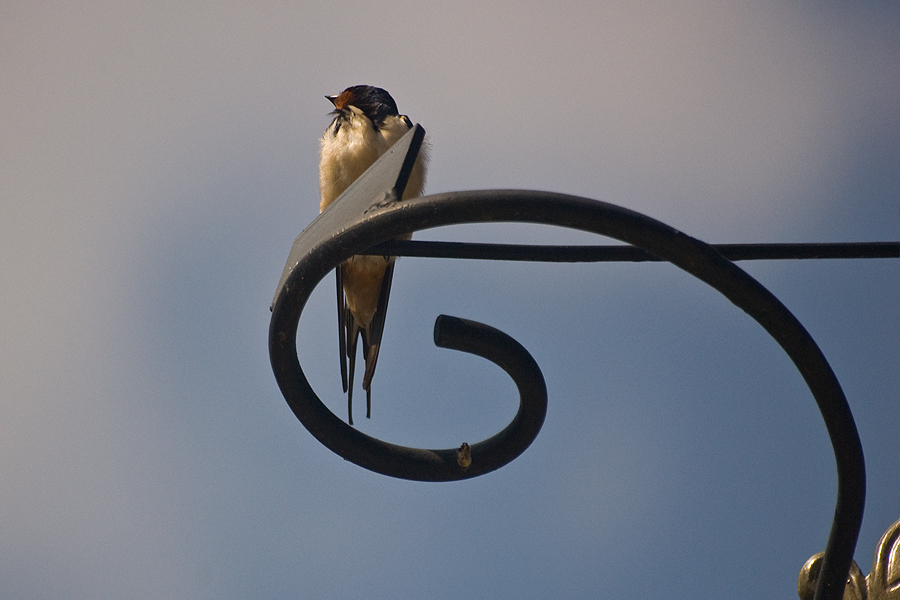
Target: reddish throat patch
343 99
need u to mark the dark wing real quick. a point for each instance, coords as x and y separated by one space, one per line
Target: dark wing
342 324
348 335
353 333
372 339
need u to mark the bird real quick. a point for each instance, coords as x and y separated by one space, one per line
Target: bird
366 124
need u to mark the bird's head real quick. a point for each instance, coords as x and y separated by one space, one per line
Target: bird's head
375 103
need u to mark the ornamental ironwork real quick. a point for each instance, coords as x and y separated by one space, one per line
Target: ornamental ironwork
369 217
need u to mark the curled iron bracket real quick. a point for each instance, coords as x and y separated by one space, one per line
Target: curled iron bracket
329 240
368 214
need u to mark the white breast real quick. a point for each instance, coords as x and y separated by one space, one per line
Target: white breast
357 144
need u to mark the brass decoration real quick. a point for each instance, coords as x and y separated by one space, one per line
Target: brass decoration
883 583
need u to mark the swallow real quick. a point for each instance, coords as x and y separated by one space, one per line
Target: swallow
366 124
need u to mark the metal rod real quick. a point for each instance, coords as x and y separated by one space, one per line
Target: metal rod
368 213
620 253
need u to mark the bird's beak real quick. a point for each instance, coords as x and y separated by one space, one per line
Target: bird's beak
332 99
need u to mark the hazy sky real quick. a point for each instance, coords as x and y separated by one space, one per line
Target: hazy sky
158 159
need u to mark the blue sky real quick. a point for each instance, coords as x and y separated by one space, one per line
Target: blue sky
159 159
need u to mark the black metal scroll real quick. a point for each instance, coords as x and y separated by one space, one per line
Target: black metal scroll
369 213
